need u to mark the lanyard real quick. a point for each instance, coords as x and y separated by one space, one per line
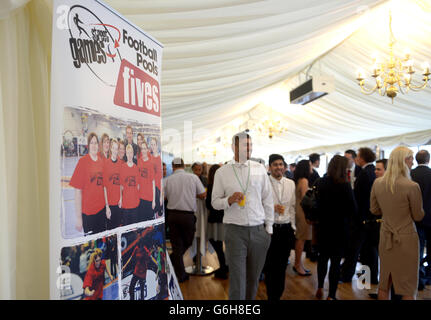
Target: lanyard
275 191
244 190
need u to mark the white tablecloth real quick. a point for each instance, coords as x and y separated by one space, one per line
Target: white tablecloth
201 229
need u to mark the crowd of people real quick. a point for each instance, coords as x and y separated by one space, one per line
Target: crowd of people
117 182
376 212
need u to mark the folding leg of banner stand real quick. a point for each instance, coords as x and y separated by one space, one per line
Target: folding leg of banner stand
198 269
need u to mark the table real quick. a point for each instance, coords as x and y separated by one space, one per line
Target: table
200 241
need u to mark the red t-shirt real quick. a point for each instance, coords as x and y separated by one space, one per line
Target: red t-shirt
95 279
141 263
111 180
129 178
146 177
102 155
88 177
157 163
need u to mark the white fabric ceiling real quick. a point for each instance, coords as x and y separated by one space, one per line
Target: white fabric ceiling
229 62
220 56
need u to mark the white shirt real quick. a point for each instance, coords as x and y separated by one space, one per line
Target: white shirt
368 164
283 192
352 176
181 189
259 205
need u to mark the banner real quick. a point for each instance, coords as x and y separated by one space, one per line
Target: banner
107 234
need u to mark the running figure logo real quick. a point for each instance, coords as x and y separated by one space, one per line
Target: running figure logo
76 20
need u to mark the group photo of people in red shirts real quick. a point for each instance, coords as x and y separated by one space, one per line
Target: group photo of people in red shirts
112 181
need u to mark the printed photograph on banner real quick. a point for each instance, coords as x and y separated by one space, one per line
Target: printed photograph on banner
143 264
173 285
89 271
111 172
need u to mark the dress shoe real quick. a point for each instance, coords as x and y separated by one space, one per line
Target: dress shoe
313 257
221 273
373 296
183 279
306 274
421 286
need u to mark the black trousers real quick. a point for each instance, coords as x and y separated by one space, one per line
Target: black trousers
365 237
132 287
94 223
145 210
334 271
158 208
130 216
115 220
282 242
424 233
182 227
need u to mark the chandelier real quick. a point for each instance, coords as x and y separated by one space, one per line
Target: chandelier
394 75
205 151
270 127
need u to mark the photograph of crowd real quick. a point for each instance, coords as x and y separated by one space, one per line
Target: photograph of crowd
92 269
143 264
111 173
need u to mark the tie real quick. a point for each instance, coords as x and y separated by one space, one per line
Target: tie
348 175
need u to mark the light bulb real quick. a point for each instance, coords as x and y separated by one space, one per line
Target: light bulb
407 53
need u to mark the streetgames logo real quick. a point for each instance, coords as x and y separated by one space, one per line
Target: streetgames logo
94 44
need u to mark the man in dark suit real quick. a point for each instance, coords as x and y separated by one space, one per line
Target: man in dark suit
365 228
311 249
422 175
353 169
315 163
287 173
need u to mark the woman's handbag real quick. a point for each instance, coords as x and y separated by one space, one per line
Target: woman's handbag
309 204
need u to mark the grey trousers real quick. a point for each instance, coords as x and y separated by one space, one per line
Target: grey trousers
246 249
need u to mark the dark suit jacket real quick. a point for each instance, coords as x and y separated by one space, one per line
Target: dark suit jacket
288 175
363 184
313 177
422 175
357 171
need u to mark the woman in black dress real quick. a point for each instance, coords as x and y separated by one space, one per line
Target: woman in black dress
337 205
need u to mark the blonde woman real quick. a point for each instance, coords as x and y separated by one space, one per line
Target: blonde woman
95 277
399 200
